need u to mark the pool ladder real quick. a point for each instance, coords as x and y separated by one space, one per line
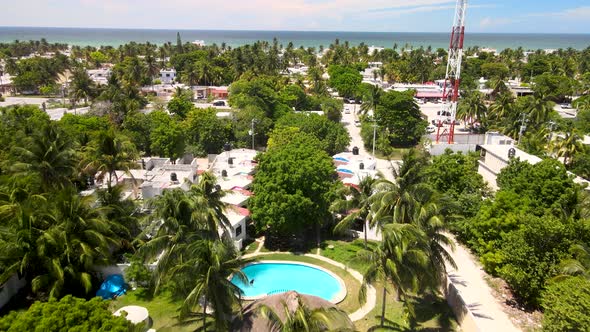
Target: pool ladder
278 291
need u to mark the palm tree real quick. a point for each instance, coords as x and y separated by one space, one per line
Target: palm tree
109 153
81 86
567 146
206 266
191 75
152 67
77 239
172 229
121 212
357 204
57 243
299 317
502 106
371 99
428 218
539 109
21 215
400 259
396 201
472 108
49 155
578 266
206 196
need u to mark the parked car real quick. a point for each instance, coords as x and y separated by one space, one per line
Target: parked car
443 113
430 129
357 123
219 103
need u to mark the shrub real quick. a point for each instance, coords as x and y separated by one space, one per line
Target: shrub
67 314
567 304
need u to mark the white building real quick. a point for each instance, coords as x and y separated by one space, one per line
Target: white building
100 76
352 168
234 170
168 76
497 153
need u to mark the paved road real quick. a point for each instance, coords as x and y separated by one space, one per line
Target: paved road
469 276
348 119
22 100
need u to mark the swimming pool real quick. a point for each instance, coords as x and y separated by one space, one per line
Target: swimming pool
271 277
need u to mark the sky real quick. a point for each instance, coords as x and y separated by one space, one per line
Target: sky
513 16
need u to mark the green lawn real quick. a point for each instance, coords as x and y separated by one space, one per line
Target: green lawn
432 312
250 246
162 309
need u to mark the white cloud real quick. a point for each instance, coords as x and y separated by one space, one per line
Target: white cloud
579 13
488 22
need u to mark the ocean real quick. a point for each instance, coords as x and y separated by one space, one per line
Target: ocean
116 37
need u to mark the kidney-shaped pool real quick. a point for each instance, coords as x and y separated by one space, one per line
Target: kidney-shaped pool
271 277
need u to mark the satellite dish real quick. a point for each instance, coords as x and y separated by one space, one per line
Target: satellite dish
511 153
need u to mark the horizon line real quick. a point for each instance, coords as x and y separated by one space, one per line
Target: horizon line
311 31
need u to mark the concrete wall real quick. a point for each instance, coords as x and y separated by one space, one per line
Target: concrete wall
10 288
439 149
464 316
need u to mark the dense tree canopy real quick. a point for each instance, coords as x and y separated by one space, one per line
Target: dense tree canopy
67 314
399 116
333 137
292 187
566 305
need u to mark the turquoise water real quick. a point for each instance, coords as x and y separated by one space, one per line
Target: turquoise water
281 277
116 37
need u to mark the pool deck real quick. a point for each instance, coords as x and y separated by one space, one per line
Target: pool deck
371 292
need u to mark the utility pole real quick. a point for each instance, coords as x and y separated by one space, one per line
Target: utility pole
523 122
374 136
253 134
551 127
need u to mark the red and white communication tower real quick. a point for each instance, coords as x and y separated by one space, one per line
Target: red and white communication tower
453 76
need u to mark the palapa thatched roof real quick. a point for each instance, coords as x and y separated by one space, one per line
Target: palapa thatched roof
252 321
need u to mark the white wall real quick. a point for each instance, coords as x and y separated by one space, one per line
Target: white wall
10 288
439 149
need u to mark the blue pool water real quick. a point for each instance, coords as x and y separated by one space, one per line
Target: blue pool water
270 278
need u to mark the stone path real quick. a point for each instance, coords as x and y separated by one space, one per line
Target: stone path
371 293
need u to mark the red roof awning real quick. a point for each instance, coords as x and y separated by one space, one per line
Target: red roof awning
429 94
242 211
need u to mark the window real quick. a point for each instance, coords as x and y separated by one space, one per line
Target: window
167 75
239 230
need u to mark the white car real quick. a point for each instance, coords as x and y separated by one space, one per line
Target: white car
430 129
347 111
357 123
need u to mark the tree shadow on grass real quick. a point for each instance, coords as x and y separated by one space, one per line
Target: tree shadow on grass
388 326
144 294
433 308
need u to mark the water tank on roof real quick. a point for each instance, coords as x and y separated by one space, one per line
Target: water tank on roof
173 177
226 146
511 153
224 173
362 166
355 151
230 161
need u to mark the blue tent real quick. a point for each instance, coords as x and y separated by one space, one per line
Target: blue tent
114 285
